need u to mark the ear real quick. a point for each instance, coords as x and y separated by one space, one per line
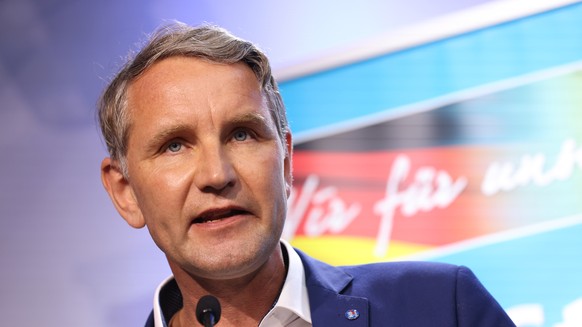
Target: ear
121 193
288 163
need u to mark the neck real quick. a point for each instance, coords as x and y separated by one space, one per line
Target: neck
244 300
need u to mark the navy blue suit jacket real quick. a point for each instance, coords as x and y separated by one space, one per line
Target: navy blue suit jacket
398 294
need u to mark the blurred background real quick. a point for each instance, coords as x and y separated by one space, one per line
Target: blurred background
446 131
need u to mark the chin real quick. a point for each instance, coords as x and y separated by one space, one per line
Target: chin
223 265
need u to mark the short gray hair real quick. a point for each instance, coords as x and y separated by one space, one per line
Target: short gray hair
205 42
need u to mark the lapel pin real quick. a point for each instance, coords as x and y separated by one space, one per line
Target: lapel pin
352 314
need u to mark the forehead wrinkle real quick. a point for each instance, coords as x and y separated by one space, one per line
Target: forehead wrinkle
239 95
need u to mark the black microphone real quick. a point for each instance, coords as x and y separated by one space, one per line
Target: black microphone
208 311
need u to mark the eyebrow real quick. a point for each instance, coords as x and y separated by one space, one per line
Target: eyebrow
251 117
157 139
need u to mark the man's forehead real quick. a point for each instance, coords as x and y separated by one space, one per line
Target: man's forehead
179 78
197 66
179 72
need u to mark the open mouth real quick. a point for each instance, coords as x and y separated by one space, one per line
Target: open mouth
213 216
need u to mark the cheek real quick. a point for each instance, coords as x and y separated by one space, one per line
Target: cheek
161 212
270 178
161 194
271 165
166 176
261 171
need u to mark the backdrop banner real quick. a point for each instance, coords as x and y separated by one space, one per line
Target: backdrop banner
467 150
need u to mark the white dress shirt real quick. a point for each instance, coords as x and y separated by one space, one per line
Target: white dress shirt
290 310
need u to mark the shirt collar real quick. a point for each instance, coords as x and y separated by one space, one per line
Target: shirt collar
293 297
164 308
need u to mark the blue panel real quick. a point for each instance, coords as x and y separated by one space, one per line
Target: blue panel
432 70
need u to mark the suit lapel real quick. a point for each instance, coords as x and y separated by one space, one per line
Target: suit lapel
329 307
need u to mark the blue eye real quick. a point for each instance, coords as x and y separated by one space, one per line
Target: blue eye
240 135
174 147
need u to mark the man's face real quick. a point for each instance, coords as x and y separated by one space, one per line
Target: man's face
207 169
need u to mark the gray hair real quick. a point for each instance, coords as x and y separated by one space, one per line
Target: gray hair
205 42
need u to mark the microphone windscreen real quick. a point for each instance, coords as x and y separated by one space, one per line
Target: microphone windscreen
208 304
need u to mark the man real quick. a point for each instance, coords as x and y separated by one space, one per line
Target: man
200 153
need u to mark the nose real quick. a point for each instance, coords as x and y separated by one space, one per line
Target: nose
215 171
